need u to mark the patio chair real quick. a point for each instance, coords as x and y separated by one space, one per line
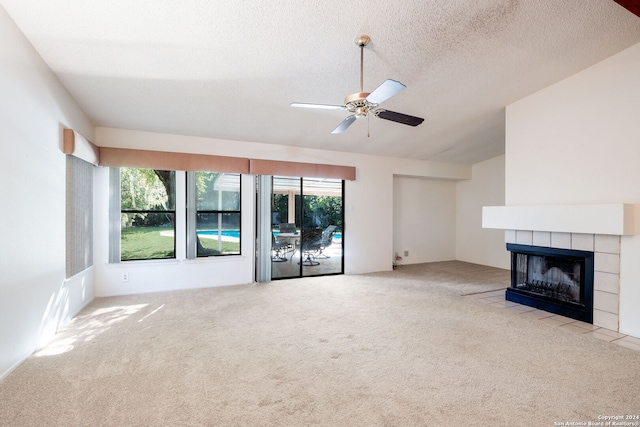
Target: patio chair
279 249
327 239
309 247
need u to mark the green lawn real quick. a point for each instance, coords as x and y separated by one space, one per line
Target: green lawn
211 247
146 243
150 243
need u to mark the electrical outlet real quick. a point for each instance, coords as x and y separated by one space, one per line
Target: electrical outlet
125 277
406 253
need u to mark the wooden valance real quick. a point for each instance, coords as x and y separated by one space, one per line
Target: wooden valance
122 157
76 145
311 170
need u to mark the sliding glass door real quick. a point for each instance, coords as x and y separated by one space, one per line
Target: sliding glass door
307 218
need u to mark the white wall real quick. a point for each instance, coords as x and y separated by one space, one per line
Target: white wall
486 188
578 142
424 219
35 298
439 220
368 245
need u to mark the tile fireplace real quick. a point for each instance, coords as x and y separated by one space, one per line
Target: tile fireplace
610 231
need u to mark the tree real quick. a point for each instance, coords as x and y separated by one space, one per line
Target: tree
167 178
141 190
322 211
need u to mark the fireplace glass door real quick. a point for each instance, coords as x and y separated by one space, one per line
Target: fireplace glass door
552 279
558 278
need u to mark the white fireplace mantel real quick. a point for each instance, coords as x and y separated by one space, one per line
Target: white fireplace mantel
614 218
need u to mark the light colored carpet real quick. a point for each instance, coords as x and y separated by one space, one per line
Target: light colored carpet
390 349
460 277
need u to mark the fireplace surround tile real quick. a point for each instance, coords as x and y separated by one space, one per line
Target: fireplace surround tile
606 282
561 240
605 301
607 243
605 319
582 242
632 340
585 326
610 333
542 238
524 237
625 343
510 236
607 263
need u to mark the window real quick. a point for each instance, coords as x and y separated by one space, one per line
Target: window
216 213
144 223
147 214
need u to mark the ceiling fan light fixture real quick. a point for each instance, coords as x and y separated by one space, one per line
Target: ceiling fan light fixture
358 104
356 98
361 112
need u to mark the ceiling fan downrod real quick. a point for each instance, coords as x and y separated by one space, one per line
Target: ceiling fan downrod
362 41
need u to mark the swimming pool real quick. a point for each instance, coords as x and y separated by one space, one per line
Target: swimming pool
236 233
228 233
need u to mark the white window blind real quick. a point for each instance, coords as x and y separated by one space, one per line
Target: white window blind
79 215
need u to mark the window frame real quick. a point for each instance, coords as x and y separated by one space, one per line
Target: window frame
184 227
121 211
192 212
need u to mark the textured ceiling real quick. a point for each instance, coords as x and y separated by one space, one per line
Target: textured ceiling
228 69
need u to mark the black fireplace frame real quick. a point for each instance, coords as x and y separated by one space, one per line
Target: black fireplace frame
582 311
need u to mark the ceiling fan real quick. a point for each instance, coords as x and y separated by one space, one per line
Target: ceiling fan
363 103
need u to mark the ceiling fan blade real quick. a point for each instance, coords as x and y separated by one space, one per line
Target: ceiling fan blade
385 91
344 125
399 117
319 106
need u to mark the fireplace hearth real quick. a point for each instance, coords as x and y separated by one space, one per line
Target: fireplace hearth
556 280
